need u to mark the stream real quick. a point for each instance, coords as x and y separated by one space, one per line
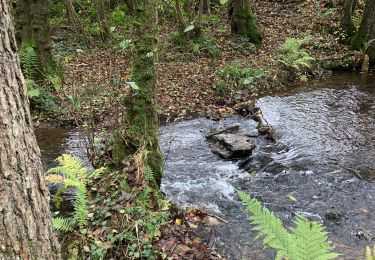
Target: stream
324 157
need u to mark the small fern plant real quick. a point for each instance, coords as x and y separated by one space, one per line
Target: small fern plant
292 55
75 175
306 241
370 255
29 60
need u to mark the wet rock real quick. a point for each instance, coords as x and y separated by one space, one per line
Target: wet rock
230 146
332 215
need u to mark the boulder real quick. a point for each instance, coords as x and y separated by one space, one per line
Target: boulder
231 146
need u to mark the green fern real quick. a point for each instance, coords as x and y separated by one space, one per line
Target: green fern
75 176
63 224
292 55
149 174
29 60
369 254
306 241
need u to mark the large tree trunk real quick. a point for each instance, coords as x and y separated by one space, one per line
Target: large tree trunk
366 32
346 23
243 20
33 31
140 124
25 220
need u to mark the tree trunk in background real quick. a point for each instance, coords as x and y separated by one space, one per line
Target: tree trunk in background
198 22
25 220
33 31
131 5
366 32
75 22
140 126
346 23
102 18
243 21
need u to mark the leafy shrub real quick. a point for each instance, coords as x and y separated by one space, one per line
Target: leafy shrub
306 241
112 217
292 56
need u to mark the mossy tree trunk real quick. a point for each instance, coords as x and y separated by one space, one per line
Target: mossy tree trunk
25 219
346 22
366 32
140 125
32 26
243 20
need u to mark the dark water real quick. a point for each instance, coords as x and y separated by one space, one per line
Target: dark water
325 145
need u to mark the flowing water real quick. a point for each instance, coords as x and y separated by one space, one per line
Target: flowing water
324 157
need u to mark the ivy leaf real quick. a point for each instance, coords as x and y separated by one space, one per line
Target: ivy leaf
258 74
248 81
133 85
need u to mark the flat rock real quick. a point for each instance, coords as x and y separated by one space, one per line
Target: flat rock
231 146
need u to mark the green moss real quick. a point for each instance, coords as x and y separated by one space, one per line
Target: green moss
243 24
357 42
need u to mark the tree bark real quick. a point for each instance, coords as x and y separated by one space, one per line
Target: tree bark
25 220
102 18
32 25
364 39
243 20
140 126
346 23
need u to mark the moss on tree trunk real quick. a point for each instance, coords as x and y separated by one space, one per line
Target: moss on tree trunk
346 22
243 21
32 28
140 126
364 39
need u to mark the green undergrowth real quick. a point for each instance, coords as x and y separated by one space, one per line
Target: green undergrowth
116 213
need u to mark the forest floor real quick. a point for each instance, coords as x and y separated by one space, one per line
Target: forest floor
190 81
193 81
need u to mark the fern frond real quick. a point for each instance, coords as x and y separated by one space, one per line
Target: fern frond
310 241
63 224
307 241
29 60
269 226
71 167
81 208
149 173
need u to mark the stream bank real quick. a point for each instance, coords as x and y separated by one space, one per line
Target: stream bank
325 135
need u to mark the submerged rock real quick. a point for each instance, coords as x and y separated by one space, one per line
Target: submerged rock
230 146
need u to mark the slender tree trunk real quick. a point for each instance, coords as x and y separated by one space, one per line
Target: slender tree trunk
198 28
75 22
140 126
243 21
346 23
25 220
32 25
364 39
131 5
180 17
102 18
